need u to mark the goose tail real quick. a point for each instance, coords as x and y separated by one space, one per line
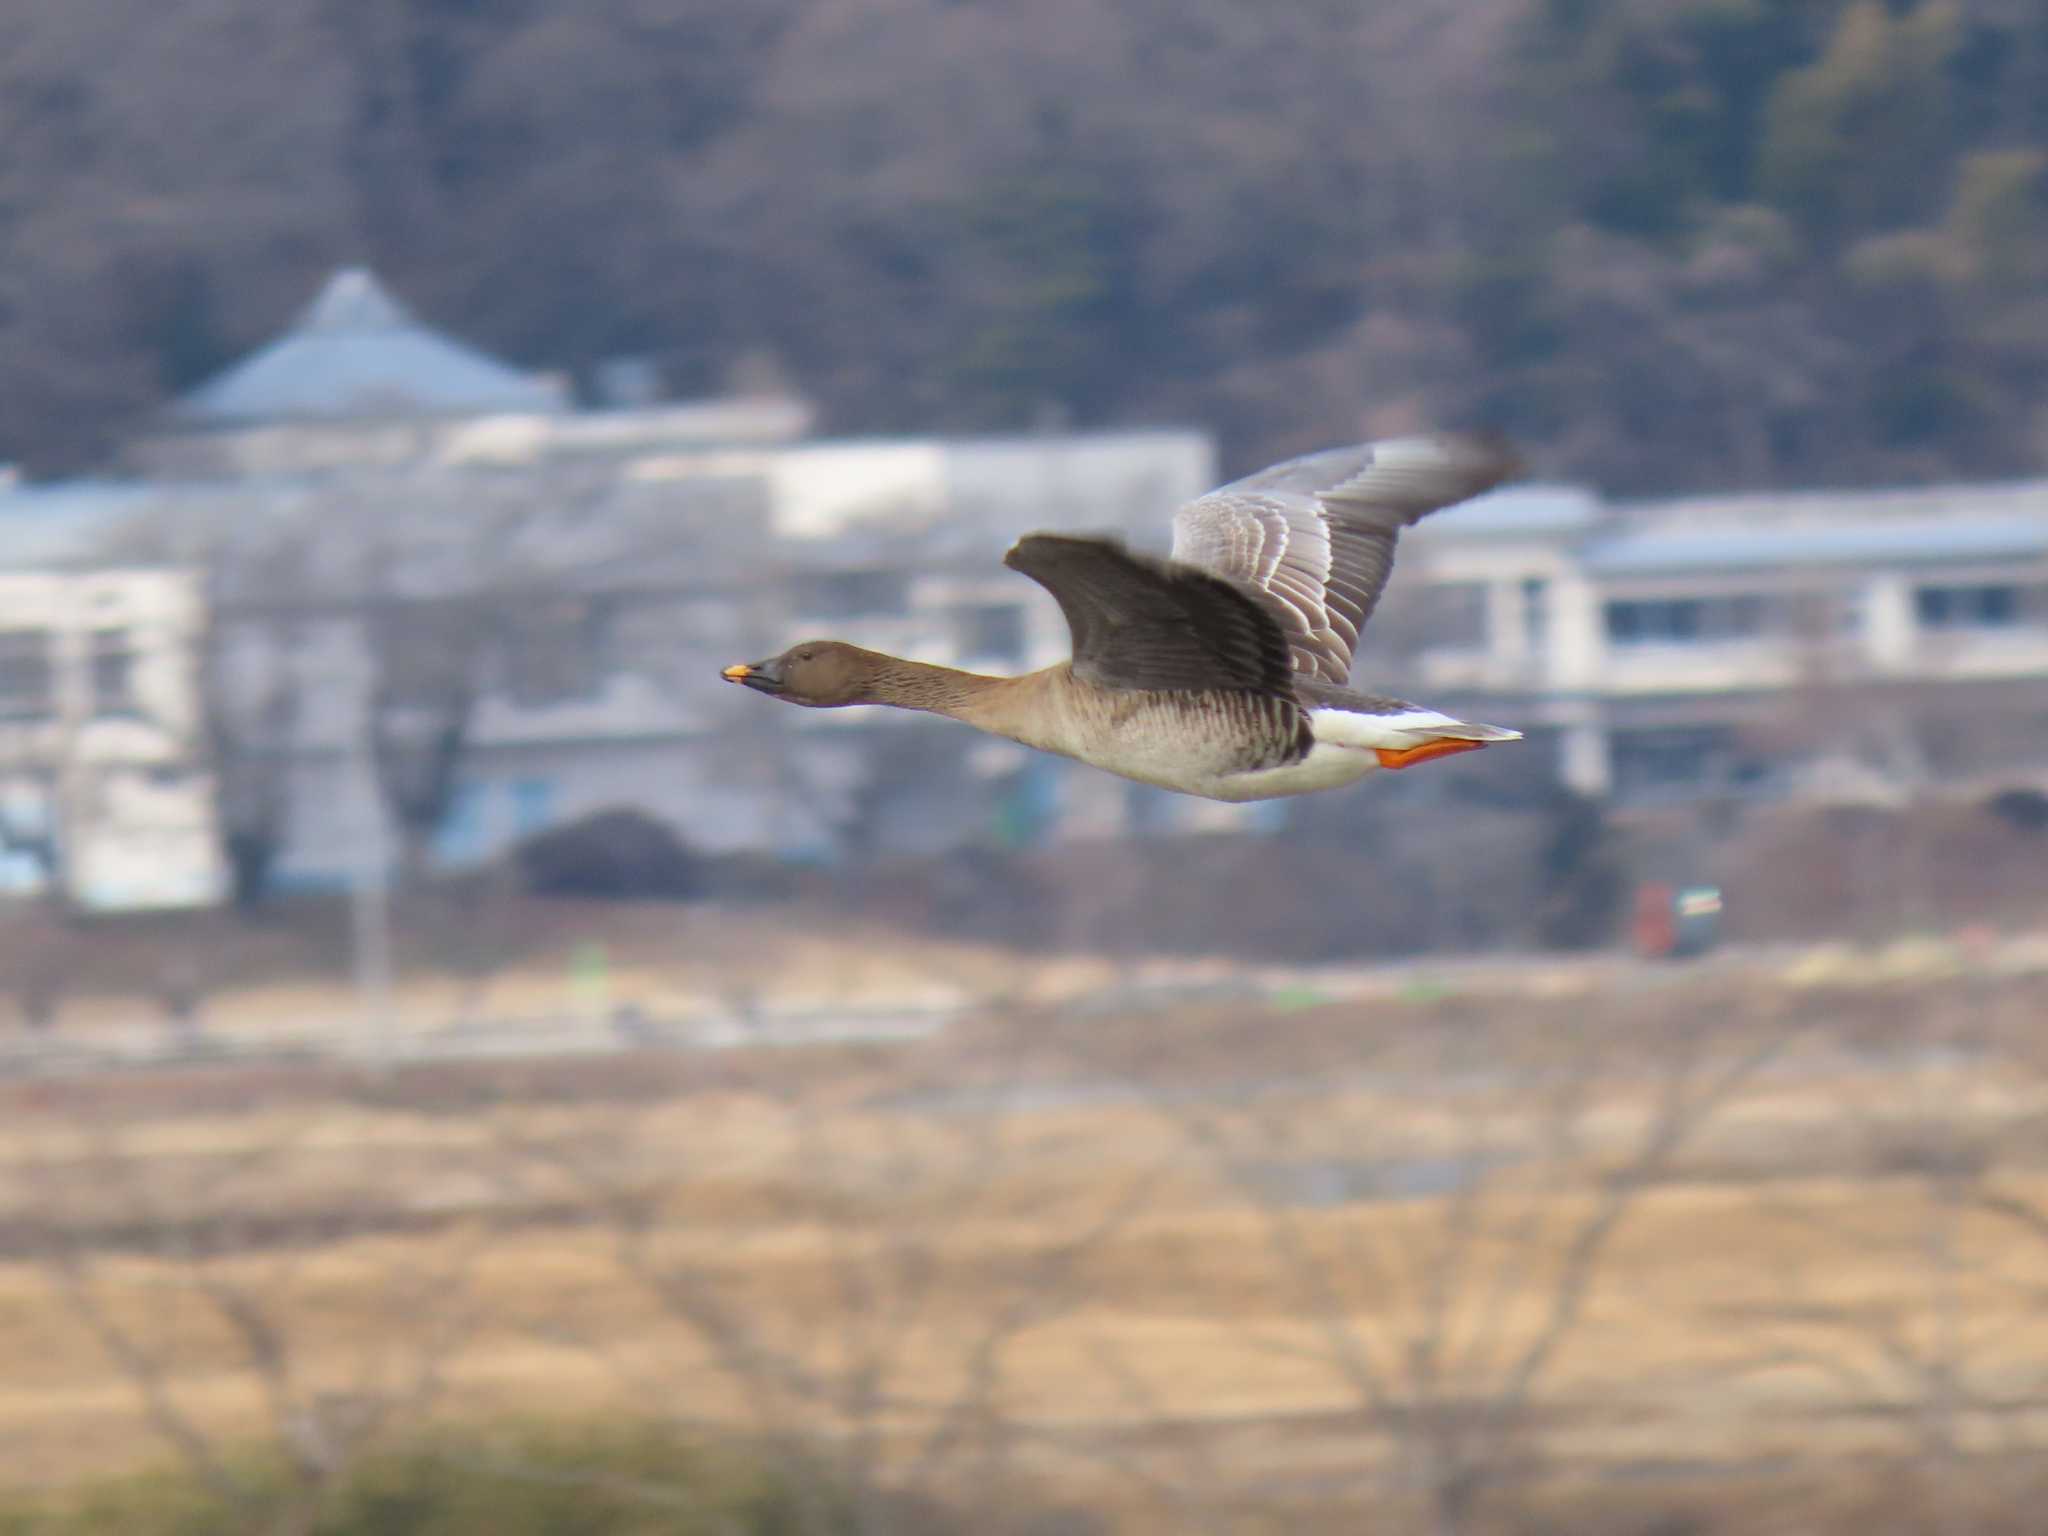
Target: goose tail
1402 735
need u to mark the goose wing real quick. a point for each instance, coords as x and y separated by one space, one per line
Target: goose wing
1144 623
1314 537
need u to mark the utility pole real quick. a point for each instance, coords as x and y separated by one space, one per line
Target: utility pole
370 897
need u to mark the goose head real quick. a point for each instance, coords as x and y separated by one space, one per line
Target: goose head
822 674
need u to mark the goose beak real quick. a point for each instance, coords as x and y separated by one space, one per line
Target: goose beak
761 676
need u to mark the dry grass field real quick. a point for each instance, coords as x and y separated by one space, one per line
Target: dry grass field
1235 1257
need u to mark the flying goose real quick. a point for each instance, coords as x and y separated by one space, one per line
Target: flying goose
1221 671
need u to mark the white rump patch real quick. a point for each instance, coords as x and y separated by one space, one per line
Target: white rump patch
1409 728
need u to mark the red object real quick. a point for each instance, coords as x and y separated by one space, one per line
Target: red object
1655 927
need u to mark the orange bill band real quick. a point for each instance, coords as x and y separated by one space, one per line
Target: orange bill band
738 672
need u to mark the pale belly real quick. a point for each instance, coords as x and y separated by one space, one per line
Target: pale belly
1325 767
1203 754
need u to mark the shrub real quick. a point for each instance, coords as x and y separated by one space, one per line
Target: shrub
616 855
2026 809
607 1479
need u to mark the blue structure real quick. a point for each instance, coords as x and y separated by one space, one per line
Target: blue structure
357 354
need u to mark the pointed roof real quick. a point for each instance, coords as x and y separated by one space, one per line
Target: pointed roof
357 354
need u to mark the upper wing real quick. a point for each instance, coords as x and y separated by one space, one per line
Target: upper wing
1140 622
1315 536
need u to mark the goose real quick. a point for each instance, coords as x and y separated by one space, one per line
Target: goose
1222 671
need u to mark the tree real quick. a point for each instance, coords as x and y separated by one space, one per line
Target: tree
1950 1264
1860 139
1644 113
849 1382
251 711
372 618
1582 877
429 665
31 803
323 1410
948 215
1445 1330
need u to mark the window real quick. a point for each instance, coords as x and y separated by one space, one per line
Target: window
1987 607
113 673
26 678
992 630
1535 613
1684 620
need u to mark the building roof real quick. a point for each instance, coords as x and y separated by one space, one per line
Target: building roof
357 354
1953 524
1527 511
1918 542
63 524
78 524
1993 498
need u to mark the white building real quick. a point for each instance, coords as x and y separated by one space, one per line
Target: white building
1854 642
104 787
1876 643
656 543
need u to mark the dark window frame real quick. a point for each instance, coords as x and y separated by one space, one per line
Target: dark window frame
113 650
28 675
1712 619
1968 605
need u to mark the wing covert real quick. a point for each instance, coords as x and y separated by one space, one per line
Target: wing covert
1143 623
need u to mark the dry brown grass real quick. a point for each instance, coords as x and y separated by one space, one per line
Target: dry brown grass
464 955
882 1212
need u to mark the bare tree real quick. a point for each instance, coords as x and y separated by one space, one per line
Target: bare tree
429 662
379 614
41 978
257 594
37 743
30 823
251 724
1946 1110
1445 1330
212 1233
847 1380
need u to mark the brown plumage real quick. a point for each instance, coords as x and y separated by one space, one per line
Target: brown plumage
1219 672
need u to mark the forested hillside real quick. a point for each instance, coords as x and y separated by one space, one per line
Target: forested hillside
1670 243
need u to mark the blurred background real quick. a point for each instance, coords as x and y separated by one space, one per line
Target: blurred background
466 1069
